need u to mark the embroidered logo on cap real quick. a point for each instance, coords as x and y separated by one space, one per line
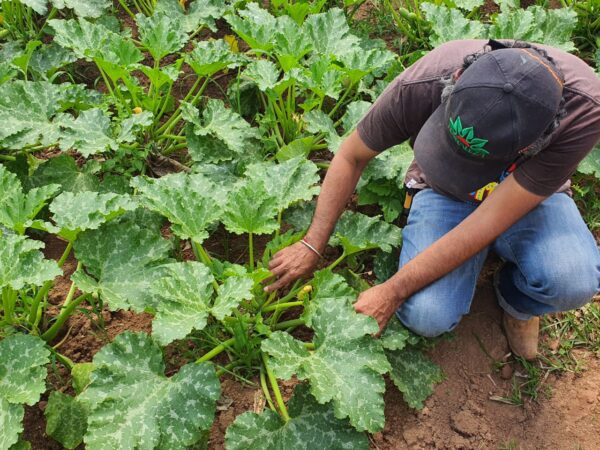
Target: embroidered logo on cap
465 138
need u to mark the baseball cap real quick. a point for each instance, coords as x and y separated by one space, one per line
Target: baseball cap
500 105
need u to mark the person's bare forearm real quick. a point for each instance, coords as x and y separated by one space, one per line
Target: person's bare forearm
339 184
501 210
504 207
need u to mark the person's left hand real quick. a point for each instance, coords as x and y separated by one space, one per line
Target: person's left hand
379 302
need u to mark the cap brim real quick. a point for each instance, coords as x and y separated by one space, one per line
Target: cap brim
449 170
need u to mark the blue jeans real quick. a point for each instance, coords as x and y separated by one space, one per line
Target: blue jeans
552 263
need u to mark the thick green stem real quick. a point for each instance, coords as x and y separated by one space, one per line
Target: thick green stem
62 318
280 306
337 261
288 324
7 158
216 351
282 409
33 312
251 250
265 389
9 297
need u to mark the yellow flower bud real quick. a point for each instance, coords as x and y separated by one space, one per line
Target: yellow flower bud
137 110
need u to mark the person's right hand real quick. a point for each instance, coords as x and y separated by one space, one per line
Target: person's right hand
291 263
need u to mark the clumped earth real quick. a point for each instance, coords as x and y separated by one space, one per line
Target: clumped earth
461 414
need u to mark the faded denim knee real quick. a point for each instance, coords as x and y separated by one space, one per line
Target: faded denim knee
428 316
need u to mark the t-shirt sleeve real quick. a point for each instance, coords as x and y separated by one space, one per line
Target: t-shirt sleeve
383 126
546 172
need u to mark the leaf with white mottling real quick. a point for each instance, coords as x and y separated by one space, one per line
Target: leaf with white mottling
39 6
11 423
86 8
133 125
469 5
330 33
414 375
291 181
66 419
26 113
311 426
209 57
230 294
89 134
396 336
218 134
591 163
197 13
359 62
358 232
449 24
262 72
23 360
22 264
184 290
63 170
346 366
254 25
17 209
133 405
74 213
251 209
125 259
160 34
92 40
188 201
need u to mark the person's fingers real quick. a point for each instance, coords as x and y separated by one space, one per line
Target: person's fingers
279 270
282 282
276 262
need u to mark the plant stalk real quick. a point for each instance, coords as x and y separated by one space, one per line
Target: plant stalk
282 409
216 351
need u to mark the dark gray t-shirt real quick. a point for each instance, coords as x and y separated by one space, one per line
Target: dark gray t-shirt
406 104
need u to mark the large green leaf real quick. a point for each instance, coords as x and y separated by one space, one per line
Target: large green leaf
219 134
311 426
22 264
345 367
47 59
358 232
160 34
291 181
359 62
291 43
413 374
74 213
264 73
469 5
91 40
209 57
18 209
23 360
87 8
255 26
251 209
26 113
330 33
513 24
63 170
124 260
187 201
555 26
133 405
90 133
11 423
449 24
66 419
196 14
186 292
